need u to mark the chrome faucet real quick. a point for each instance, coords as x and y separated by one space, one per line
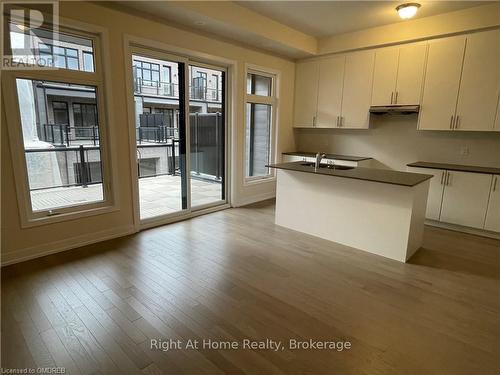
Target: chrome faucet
319 156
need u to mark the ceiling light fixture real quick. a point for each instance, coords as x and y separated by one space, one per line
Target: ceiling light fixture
407 10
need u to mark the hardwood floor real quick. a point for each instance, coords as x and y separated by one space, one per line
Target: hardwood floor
233 275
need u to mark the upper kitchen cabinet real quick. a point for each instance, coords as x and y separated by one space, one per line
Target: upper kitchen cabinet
357 92
331 79
306 93
442 82
385 76
480 83
398 75
410 74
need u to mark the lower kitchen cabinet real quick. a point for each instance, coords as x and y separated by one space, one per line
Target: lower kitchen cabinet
436 188
465 198
493 215
468 199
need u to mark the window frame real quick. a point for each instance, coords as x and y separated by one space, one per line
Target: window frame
102 84
273 101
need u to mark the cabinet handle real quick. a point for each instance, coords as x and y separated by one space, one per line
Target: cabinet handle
314 121
448 174
396 97
341 121
457 121
442 177
338 121
392 97
495 183
451 121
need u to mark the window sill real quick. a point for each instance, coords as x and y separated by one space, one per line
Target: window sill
31 222
259 180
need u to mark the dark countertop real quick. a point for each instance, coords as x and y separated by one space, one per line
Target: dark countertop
385 176
328 156
455 167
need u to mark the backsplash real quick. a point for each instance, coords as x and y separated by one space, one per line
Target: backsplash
394 141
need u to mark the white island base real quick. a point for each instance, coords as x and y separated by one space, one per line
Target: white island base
380 218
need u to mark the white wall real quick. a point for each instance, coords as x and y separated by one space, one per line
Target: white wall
395 141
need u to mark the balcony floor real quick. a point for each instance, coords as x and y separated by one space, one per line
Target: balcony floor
159 195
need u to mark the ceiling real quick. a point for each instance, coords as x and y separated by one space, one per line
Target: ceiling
287 28
325 18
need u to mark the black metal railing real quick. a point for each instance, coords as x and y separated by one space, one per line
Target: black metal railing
75 166
196 92
63 134
156 134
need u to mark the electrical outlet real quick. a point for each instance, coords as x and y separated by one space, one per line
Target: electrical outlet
464 151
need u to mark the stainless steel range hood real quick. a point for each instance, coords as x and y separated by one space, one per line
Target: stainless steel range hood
394 109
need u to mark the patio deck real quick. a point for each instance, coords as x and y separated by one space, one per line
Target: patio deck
158 195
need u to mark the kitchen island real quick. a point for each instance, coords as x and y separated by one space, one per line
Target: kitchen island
376 210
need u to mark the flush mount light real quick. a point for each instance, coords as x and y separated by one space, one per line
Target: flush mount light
407 10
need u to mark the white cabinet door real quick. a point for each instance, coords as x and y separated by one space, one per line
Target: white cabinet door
306 93
480 84
436 187
356 98
410 74
331 79
465 198
493 216
385 76
442 81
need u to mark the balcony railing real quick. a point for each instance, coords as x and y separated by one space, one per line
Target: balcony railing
167 89
63 134
156 134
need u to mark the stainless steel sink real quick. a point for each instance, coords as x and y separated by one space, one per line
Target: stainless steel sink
329 166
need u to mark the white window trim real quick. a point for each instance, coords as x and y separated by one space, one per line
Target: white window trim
272 100
101 81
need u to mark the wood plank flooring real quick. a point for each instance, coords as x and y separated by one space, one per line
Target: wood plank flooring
233 275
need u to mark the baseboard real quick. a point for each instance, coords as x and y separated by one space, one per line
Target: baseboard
459 228
33 252
253 199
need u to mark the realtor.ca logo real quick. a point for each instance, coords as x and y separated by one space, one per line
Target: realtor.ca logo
26 26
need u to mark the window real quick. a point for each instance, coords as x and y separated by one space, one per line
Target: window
61 57
148 73
58 139
215 91
259 127
60 113
85 115
88 61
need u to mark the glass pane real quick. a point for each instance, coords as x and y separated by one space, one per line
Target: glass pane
259 85
64 164
207 132
59 61
88 62
71 52
72 63
161 163
32 48
58 50
258 139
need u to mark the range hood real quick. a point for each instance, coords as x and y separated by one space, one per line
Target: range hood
394 109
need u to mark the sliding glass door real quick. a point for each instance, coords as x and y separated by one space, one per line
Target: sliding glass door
165 134
207 132
160 126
